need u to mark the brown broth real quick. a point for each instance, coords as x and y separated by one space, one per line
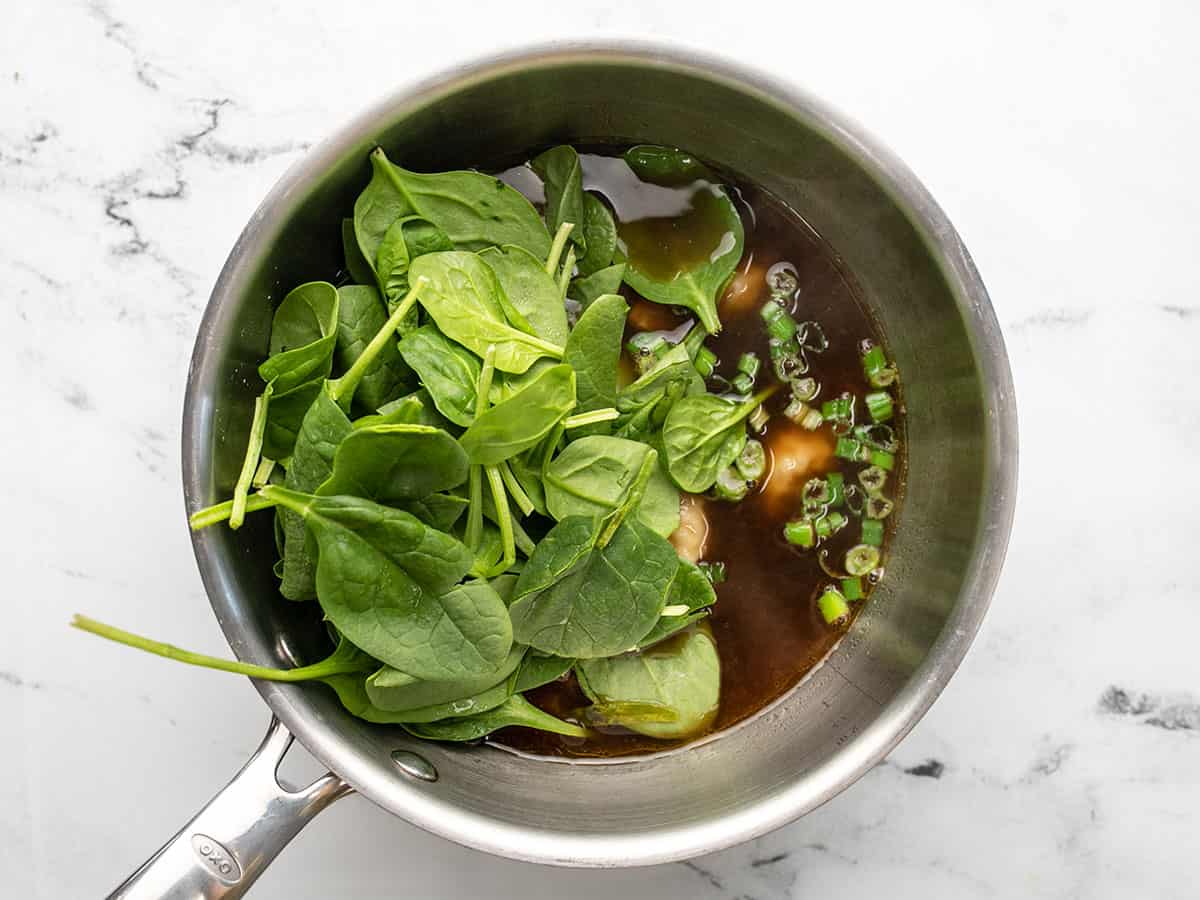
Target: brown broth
768 629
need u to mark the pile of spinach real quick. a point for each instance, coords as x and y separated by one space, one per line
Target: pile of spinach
461 481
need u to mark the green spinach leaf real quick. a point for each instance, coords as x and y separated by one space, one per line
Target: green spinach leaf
396 691
537 670
389 584
473 210
359 269
600 232
681 675
562 175
463 299
593 474
667 166
303 336
589 288
447 370
516 710
324 427
361 314
691 595
593 350
440 511
527 293
578 598
703 434
699 285
389 463
523 420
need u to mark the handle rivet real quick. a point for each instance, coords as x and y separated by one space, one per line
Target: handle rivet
414 765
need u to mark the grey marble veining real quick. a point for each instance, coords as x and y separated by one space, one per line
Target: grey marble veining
1063 761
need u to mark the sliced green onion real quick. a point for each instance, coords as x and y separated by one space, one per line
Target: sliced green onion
879 405
837 487
752 461
847 448
872 532
873 358
759 418
877 437
861 559
800 533
872 479
706 362
749 364
780 325
884 377
883 459
730 485
262 474
878 508
805 388
713 571
833 606
782 283
812 337
840 409
816 492
830 524
852 589
742 383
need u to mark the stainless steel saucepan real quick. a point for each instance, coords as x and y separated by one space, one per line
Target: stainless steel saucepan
808 746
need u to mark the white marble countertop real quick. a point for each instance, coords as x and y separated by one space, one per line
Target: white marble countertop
1064 758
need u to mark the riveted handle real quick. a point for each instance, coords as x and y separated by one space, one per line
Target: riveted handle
229 843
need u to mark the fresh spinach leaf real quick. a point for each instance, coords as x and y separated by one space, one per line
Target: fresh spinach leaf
593 474
352 692
527 293
462 298
448 371
577 597
523 420
361 314
389 463
667 166
389 584
405 240
473 210
681 675
562 176
396 691
703 434
593 350
411 409
359 269
303 336
284 418
691 595
589 288
440 511
516 710
537 670
600 232
324 427
698 286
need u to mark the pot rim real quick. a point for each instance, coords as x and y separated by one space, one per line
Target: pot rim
898 716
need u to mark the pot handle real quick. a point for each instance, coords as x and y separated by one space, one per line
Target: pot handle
229 843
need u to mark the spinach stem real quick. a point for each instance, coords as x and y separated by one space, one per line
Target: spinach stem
591 418
296 501
258 427
556 248
342 389
262 474
473 536
333 665
219 512
632 498
515 490
564 279
484 386
503 519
